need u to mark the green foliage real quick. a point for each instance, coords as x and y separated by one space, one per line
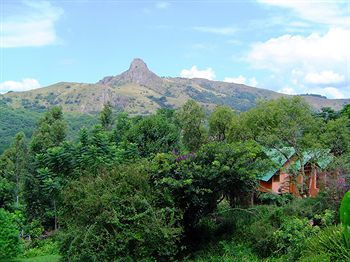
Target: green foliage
279 123
43 248
50 132
13 121
122 125
199 181
336 136
273 198
13 169
220 122
34 229
117 215
10 244
106 116
328 114
48 258
153 134
346 111
229 251
328 244
189 195
345 217
191 119
290 238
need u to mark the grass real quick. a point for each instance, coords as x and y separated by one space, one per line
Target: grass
48 258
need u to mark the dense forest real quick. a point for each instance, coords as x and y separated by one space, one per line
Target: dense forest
177 185
13 120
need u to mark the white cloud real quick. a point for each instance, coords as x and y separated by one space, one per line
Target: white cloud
242 80
194 72
324 78
35 27
216 30
287 90
24 85
162 5
288 50
307 60
332 13
253 82
237 80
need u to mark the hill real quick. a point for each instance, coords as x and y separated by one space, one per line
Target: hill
140 91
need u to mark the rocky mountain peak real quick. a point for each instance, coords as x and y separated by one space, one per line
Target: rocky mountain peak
138 65
138 73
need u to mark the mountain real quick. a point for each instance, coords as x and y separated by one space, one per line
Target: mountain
140 91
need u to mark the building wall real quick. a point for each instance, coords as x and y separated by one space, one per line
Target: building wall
281 183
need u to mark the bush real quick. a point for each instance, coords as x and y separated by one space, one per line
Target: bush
42 248
117 214
10 244
229 251
273 198
291 237
329 244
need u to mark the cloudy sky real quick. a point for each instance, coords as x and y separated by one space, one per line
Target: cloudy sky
293 46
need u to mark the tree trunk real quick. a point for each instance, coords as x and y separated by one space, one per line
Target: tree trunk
54 206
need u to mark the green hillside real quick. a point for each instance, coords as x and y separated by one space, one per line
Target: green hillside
140 91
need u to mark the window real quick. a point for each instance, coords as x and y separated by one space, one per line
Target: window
276 178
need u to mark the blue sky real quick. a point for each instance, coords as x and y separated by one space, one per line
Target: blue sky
290 46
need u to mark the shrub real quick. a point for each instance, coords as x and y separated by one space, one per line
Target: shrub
229 251
42 248
10 245
329 244
292 236
117 214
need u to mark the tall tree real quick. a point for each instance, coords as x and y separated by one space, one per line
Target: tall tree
154 134
106 116
191 117
13 167
50 134
51 131
220 122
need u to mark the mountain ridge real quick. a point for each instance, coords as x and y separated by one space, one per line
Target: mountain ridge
140 91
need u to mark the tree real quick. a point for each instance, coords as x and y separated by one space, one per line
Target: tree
198 182
220 122
13 169
122 124
346 111
191 118
328 114
51 131
336 136
153 134
106 116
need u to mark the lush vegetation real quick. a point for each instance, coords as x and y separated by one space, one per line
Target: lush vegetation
175 185
13 121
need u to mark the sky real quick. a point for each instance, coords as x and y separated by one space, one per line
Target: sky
293 47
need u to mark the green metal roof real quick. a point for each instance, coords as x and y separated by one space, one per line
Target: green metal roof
322 158
278 158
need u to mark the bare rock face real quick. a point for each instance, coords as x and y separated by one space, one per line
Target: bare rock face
138 73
